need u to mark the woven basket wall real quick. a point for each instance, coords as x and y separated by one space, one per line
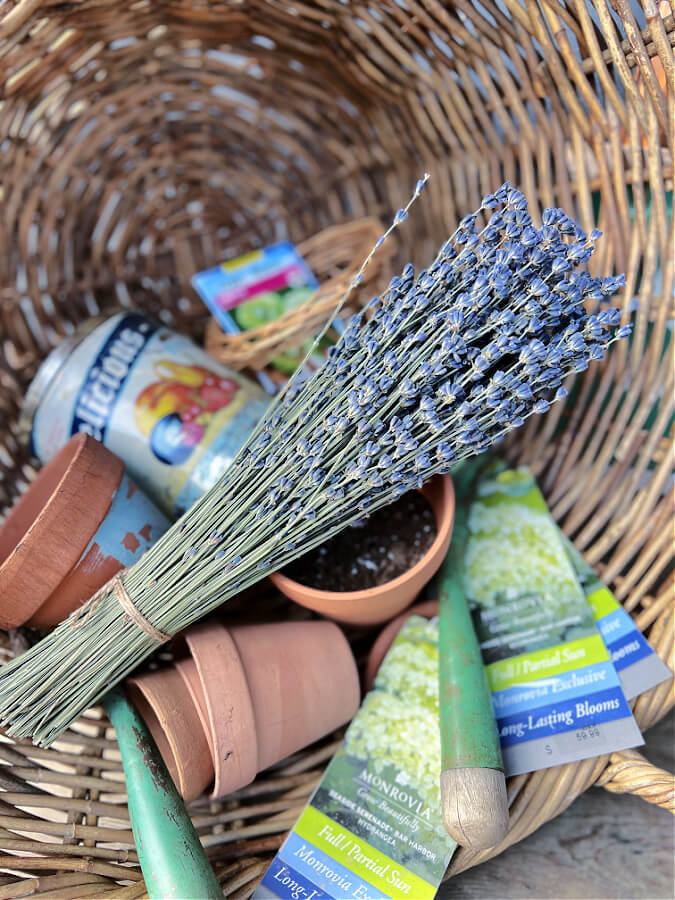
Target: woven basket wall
140 142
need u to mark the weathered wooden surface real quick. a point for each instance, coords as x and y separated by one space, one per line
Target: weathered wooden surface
604 846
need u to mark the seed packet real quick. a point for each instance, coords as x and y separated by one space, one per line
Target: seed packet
256 289
556 694
373 828
639 667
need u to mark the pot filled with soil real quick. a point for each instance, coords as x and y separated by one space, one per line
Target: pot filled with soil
371 572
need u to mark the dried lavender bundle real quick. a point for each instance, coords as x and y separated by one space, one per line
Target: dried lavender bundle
438 368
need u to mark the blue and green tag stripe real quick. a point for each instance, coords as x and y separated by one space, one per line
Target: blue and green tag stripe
301 868
556 689
323 856
625 642
538 664
592 708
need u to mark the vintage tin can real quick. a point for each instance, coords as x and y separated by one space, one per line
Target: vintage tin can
174 415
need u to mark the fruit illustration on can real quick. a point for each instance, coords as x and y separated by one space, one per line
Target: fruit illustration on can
175 411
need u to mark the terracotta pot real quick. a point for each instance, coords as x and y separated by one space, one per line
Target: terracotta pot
165 703
303 683
257 694
378 604
77 524
386 637
48 528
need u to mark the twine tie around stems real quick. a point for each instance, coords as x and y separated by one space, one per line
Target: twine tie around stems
116 585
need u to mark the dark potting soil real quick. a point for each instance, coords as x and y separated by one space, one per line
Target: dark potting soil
363 556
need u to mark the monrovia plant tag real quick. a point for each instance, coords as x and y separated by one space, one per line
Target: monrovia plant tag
638 666
373 828
556 694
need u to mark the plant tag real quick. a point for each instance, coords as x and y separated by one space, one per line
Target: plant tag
373 828
639 667
556 694
274 275
256 289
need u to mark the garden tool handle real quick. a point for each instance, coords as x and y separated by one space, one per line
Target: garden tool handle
169 850
473 787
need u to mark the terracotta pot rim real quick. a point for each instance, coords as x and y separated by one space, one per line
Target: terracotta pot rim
283 582
25 581
224 731
151 693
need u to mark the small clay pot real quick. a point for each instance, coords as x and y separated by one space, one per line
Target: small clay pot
258 693
378 604
303 683
79 522
386 637
163 695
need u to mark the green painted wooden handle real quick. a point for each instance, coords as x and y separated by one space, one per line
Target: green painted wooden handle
469 735
171 856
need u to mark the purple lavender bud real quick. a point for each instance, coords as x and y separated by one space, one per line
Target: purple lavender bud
448 392
610 317
515 199
549 216
444 452
502 192
522 390
408 391
579 252
612 284
530 236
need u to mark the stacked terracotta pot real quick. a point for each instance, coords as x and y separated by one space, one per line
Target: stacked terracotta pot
245 698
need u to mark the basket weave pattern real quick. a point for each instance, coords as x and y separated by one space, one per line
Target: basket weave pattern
142 142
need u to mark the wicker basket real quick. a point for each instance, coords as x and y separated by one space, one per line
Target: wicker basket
140 142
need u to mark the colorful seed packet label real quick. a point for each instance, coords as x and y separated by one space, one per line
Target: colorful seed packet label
556 695
639 667
373 828
270 274
256 289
